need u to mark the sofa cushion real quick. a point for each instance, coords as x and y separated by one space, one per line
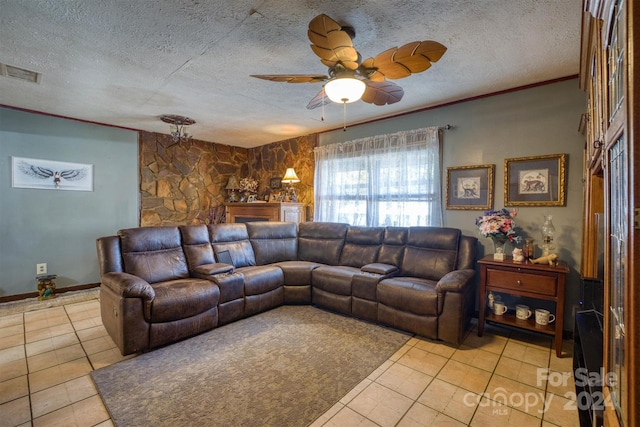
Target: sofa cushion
231 287
232 238
179 299
414 295
261 279
153 253
263 288
393 243
321 242
364 286
334 279
361 246
196 245
273 241
297 273
431 252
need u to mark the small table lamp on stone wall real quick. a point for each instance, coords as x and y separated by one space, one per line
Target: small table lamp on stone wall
232 186
291 178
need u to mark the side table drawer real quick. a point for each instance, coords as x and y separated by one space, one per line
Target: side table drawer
535 283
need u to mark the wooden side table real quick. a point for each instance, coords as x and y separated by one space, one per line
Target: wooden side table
538 281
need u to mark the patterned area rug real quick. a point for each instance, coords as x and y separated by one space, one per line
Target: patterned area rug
284 367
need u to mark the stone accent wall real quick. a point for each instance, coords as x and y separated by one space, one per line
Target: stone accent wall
183 183
272 160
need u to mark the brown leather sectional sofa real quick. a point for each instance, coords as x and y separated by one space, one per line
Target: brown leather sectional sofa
163 284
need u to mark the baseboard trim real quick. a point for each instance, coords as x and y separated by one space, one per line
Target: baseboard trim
18 297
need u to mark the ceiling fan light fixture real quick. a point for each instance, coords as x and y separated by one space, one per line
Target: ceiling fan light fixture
345 89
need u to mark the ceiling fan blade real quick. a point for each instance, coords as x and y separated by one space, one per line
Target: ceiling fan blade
382 93
396 63
292 78
318 100
331 43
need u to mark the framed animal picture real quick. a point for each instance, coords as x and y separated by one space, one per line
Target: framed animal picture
535 181
470 187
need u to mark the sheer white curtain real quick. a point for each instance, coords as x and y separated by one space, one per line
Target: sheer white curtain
384 180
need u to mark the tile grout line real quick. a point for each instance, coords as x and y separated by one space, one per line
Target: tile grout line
29 372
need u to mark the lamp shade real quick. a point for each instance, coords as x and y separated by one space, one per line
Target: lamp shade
344 89
290 177
233 183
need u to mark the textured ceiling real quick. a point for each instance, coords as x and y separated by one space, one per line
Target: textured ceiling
126 62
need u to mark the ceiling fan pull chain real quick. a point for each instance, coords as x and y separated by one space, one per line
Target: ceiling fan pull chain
344 115
322 104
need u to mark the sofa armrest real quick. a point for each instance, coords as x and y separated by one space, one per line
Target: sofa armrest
455 281
206 270
379 268
128 286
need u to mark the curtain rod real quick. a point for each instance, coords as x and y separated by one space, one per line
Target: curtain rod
445 127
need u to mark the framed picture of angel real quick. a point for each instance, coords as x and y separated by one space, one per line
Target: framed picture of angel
50 174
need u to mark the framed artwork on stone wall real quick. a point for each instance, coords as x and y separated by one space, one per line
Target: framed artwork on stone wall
275 183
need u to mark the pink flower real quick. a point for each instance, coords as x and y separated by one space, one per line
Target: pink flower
498 225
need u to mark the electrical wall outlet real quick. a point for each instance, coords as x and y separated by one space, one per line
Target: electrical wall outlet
41 268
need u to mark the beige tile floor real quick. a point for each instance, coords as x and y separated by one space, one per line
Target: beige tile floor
46 355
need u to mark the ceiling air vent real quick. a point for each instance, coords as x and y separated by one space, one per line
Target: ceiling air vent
20 73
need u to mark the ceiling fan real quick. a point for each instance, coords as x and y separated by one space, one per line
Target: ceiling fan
350 78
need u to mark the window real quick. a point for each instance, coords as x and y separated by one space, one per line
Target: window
385 180
616 62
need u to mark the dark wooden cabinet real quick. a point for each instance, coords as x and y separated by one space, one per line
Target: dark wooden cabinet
609 75
537 281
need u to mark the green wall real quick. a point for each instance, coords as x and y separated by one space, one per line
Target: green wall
60 227
529 122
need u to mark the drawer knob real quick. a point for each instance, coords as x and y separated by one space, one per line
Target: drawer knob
519 282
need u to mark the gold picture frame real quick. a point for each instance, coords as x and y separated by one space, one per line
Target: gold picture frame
470 187
535 181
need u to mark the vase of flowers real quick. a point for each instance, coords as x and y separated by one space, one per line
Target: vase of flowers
248 186
498 225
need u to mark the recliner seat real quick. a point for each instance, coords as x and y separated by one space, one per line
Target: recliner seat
147 296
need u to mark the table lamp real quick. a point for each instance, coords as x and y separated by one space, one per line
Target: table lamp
291 178
232 186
